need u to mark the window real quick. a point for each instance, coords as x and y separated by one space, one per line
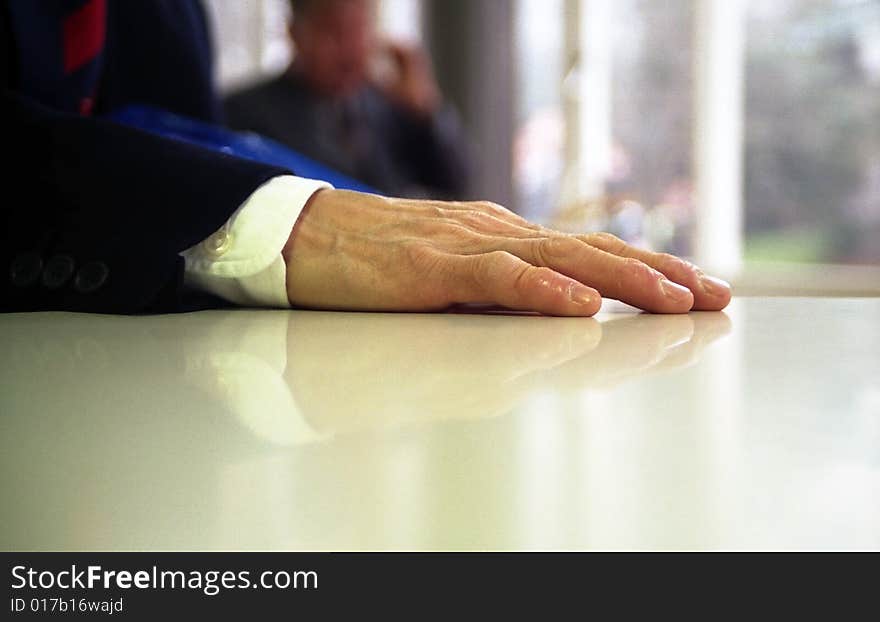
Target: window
605 108
733 131
812 148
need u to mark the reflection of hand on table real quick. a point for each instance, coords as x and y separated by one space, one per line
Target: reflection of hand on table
636 345
349 372
172 417
356 371
293 378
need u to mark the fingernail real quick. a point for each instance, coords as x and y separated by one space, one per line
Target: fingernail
674 290
581 295
714 286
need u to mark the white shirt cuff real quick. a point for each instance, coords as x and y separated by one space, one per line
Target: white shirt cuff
242 262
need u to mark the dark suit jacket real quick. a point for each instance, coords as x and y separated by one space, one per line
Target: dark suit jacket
95 214
366 136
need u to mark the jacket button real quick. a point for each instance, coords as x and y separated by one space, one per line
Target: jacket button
57 271
91 277
25 269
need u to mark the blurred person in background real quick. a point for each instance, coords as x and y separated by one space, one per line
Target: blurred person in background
367 108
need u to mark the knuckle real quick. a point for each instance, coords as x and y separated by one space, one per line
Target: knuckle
562 246
493 208
493 266
457 230
498 258
606 241
444 229
546 250
538 252
539 275
475 219
530 281
604 236
422 258
432 209
503 214
523 278
433 277
668 259
634 269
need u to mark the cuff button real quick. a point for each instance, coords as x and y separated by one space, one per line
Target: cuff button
25 269
91 277
57 271
218 244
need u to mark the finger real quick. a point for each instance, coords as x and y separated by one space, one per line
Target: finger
400 58
710 293
625 279
411 60
504 279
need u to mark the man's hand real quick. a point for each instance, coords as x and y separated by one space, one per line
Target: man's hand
410 83
364 252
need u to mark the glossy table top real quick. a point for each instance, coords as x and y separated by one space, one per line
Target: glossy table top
755 428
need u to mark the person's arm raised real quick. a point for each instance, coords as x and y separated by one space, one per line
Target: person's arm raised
353 251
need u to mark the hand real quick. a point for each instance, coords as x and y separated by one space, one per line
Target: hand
411 83
358 251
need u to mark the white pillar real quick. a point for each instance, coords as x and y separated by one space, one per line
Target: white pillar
595 95
719 58
588 117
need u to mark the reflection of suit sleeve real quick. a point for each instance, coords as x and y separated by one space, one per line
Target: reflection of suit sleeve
104 211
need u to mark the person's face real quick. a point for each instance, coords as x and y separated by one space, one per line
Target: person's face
333 46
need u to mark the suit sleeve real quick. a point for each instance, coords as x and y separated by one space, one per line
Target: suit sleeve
96 214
